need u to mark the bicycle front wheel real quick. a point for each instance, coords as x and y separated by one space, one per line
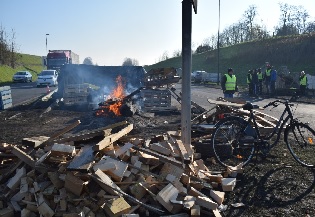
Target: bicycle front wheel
228 143
300 139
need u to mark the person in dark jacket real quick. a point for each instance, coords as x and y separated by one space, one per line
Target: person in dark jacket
267 78
254 82
229 84
260 80
273 80
249 82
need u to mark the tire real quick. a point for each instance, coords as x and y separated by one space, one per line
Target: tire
228 144
300 139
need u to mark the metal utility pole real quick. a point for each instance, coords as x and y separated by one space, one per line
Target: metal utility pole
186 75
46 42
218 47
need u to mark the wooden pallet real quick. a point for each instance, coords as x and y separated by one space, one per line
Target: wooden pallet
156 100
5 97
75 100
76 88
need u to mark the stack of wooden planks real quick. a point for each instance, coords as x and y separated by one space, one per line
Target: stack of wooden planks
114 175
5 97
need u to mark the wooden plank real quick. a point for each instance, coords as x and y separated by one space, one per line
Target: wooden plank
185 151
165 196
105 131
14 182
106 183
112 138
206 203
160 156
118 173
62 150
83 160
45 210
23 156
116 207
74 184
60 133
34 141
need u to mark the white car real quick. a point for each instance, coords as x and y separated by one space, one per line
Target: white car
22 76
47 78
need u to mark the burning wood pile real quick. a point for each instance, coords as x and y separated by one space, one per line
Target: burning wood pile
117 103
118 175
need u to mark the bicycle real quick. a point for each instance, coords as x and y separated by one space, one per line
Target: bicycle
235 140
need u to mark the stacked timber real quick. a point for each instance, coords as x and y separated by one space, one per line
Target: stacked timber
119 175
5 97
155 100
75 94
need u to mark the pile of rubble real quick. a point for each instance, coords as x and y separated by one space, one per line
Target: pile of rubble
105 172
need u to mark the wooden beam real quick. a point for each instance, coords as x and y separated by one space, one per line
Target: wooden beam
160 156
23 156
112 138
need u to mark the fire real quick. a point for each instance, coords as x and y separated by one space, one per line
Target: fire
119 91
115 99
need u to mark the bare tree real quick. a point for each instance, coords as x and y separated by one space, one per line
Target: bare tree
177 53
249 16
88 61
130 62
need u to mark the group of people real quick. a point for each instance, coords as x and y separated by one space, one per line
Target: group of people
255 80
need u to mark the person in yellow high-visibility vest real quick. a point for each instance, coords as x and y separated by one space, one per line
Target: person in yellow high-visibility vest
303 83
229 84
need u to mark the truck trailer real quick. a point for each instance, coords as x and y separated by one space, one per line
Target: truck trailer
57 58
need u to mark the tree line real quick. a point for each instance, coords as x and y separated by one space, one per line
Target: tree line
293 20
8 48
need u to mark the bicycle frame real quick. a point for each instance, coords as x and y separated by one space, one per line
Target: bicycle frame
279 126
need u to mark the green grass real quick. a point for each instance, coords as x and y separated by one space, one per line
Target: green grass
25 62
295 52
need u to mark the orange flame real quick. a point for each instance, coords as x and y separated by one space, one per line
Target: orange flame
117 95
119 91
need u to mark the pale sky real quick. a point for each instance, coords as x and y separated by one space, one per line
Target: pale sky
108 31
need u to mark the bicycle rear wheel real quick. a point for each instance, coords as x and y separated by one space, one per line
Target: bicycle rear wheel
229 146
300 139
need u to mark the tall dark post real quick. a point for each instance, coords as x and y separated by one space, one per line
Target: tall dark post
218 47
186 66
46 42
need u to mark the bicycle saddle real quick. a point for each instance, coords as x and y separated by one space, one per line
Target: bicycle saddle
248 106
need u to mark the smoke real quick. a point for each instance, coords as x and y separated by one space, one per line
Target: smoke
101 79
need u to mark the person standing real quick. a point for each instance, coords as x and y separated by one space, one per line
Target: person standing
249 82
267 78
228 84
273 80
260 81
254 82
303 83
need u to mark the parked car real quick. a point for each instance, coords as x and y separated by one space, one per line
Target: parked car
47 77
22 76
196 76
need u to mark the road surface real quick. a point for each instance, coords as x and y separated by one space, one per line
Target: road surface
23 92
303 111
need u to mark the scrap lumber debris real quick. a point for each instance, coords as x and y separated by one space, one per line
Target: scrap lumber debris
118 176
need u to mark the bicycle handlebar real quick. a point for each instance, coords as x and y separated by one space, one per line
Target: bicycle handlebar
277 102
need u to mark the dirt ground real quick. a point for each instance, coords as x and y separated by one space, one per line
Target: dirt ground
275 186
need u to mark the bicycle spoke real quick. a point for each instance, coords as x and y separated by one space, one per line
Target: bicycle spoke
300 141
226 143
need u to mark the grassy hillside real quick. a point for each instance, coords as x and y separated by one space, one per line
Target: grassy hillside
295 52
31 63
